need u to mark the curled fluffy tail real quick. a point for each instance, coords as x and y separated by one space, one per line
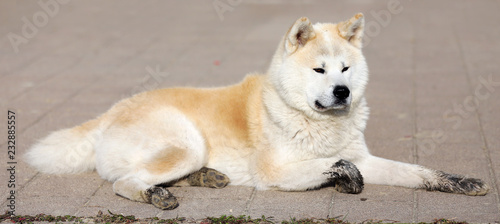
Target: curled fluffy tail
66 151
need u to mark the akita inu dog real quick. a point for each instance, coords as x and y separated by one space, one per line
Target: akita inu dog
297 127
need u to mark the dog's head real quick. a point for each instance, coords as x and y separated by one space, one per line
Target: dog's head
320 68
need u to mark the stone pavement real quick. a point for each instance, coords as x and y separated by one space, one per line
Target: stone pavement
434 95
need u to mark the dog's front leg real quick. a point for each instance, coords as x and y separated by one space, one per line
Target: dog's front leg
377 170
310 174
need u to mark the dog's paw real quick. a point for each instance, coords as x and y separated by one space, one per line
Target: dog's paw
474 187
453 183
207 177
162 198
349 187
346 177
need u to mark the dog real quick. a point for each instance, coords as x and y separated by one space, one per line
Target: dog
299 126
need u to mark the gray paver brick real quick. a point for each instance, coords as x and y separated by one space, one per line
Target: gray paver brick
434 205
67 194
377 203
287 205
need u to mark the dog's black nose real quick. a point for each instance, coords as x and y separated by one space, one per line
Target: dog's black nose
341 92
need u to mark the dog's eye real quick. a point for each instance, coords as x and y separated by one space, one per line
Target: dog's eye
319 70
345 69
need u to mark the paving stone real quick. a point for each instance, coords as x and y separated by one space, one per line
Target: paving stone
67 194
436 205
399 149
375 203
287 205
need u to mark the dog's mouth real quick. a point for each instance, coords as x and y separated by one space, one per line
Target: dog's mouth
338 105
319 106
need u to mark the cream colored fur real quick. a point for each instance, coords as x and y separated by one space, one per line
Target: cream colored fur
265 132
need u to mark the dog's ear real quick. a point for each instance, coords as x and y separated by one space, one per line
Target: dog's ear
298 35
352 30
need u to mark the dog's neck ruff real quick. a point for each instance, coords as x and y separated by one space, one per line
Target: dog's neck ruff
318 136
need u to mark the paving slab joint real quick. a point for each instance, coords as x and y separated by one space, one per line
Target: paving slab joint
330 208
249 201
22 187
90 197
